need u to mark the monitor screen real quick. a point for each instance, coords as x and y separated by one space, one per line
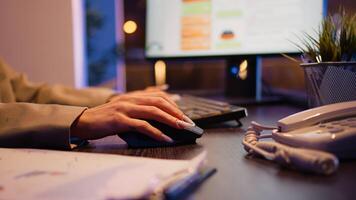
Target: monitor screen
188 28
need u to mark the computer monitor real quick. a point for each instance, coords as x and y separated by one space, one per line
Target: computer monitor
229 28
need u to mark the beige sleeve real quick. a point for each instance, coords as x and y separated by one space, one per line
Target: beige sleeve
26 91
22 90
37 125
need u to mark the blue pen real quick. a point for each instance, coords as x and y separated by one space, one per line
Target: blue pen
183 188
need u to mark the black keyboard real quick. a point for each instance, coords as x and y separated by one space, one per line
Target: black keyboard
206 111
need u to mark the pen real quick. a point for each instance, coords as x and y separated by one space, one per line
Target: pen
186 186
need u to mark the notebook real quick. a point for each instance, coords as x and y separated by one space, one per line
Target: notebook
47 174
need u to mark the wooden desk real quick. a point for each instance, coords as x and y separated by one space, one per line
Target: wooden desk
241 178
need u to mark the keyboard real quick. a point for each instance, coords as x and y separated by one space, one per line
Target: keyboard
205 111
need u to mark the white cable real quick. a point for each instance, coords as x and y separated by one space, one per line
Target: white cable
303 159
265 154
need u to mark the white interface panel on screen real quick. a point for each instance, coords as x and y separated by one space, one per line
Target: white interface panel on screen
178 28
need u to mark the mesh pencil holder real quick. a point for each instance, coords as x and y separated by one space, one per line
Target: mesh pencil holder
330 82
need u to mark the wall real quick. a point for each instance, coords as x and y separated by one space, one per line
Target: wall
36 38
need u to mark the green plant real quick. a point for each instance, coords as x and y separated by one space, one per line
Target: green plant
335 41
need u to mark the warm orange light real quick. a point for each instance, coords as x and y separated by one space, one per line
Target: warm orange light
243 70
160 72
130 27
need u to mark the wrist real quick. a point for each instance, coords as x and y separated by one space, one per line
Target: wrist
76 129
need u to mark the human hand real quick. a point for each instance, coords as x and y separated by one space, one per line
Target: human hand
129 112
157 88
159 91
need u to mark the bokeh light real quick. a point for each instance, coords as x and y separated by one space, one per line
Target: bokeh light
130 27
160 72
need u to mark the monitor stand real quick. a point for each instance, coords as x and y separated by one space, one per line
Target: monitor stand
244 78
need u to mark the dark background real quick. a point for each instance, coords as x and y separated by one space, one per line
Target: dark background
196 74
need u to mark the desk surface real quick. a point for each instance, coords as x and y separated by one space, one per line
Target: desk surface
239 177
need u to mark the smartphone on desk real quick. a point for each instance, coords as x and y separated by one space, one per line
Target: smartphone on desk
330 128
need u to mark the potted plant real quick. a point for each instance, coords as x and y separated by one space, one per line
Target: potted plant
329 60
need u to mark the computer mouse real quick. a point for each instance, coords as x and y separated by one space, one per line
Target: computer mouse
135 139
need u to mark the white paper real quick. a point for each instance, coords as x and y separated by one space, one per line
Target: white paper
44 174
